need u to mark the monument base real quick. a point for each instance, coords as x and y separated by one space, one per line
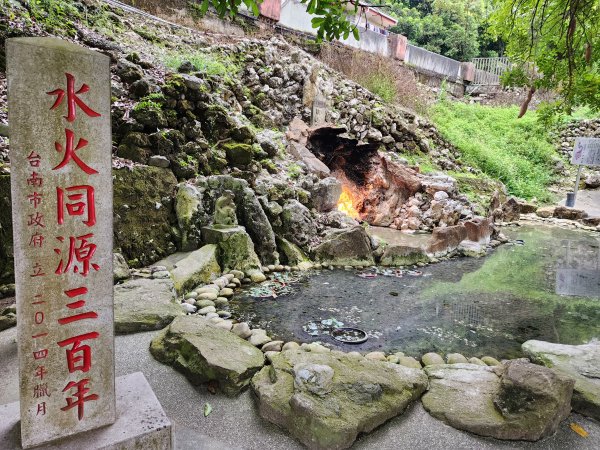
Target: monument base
141 423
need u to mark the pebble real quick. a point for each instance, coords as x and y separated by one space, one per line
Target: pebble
265 269
161 274
287 268
290 346
259 339
429 359
221 282
456 358
188 308
215 320
221 301
225 292
237 274
225 324
409 361
207 296
393 359
258 277
191 295
279 268
273 346
210 289
224 314
314 347
376 356
271 267
207 309
212 315
231 286
246 280
491 361
203 303
236 282
477 361
229 276
242 330
399 354
354 355
190 301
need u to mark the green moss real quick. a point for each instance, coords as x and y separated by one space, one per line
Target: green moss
269 165
55 16
294 171
147 105
208 64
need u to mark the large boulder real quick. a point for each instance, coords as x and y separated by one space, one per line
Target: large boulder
249 212
582 362
194 268
143 213
188 208
564 212
298 226
325 194
312 163
204 352
514 401
236 250
446 239
347 247
144 304
326 399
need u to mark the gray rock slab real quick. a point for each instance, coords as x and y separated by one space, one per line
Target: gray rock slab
145 304
582 362
141 422
326 399
204 352
515 401
199 266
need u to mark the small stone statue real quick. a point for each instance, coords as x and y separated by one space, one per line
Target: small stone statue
225 211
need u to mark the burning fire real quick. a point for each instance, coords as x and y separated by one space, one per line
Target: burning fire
345 203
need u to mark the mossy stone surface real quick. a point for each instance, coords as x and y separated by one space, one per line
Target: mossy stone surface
297 392
143 213
203 353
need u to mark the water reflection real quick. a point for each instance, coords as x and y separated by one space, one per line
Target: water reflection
578 270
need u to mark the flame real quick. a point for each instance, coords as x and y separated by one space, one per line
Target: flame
345 203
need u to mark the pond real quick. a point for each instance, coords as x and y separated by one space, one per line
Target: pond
545 287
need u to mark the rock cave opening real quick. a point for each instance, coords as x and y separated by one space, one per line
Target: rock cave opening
374 188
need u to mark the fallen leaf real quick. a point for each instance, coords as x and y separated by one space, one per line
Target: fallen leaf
207 409
579 430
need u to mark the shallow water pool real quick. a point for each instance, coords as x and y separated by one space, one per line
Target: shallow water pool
548 289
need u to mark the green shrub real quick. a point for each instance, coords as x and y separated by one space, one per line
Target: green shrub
207 63
382 84
515 151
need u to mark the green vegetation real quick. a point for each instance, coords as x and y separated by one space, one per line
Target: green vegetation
453 28
294 171
382 84
206 63
560 38
147 105
517 152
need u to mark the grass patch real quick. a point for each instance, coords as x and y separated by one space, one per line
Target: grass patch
515 151
382 84
206 63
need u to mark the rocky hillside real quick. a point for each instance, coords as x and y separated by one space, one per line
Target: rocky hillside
195 115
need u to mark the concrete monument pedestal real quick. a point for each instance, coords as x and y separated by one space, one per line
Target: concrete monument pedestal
141 423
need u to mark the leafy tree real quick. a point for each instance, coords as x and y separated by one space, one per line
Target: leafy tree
554 45
332 17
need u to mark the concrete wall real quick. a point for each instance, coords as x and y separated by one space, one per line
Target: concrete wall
433 62
293 15
370 41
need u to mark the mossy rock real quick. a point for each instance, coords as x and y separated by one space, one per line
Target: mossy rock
143 213
238 155
205 353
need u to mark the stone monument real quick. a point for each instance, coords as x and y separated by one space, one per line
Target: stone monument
60 151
